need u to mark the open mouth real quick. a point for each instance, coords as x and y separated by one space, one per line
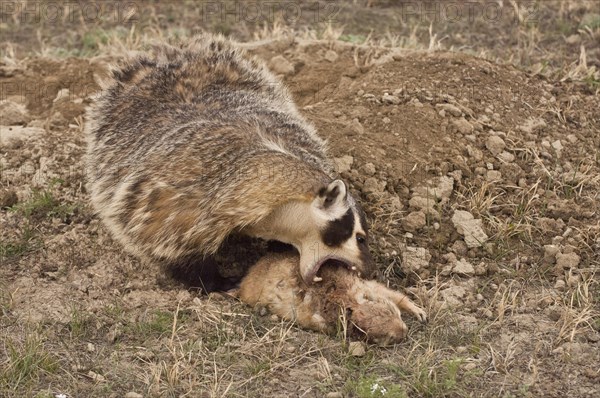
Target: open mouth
332 261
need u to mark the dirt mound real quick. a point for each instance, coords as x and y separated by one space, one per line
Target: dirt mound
481 183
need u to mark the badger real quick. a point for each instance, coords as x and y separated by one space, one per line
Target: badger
193 142
369 309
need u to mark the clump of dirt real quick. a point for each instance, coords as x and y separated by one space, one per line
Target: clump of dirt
481 183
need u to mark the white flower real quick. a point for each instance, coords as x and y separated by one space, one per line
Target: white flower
377 388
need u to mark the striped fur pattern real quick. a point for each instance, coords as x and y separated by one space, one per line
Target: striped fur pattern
193 142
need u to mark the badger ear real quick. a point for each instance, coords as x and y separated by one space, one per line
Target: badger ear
332 194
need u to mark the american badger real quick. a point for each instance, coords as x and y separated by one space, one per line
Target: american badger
373 310
190 144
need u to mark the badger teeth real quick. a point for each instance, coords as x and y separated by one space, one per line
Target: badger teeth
317 279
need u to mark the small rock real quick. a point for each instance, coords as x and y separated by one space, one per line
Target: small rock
463 126
463 267
572 138
331 56
439 188
550 252
12 113
280 65
418 202
532 125
357 348
91 347
560 285
62 96
12 133
133 395
386 120
459 247
453 296
493 175
557 145
470 228
114 332
480 269
369 169
506 157
449 108
360 92
357 126
573 39
390 99
96 376
470 366
373 185
414 221
415 258
8 198
343 164
495 145
567 260
475 153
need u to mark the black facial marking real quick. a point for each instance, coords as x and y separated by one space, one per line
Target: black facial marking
338 231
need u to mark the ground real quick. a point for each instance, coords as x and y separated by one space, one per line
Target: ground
471 140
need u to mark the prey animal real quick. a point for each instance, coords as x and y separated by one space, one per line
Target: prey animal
368 308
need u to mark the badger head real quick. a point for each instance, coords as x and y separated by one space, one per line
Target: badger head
339 235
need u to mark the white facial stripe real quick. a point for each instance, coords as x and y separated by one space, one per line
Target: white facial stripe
357 225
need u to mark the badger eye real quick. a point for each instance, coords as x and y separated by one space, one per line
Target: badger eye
360 239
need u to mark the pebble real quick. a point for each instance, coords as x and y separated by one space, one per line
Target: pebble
463 126
557 145
493 175
357 126
506 157
390 99
343 164
373 185
357 348
96 376
369 169
415 258
12 113
550 252
414 221
331 56
449 108
463 267
567 260
132 394
12 133
280 65
470 228
495 145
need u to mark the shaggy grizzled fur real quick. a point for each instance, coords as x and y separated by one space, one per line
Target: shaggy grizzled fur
192 143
